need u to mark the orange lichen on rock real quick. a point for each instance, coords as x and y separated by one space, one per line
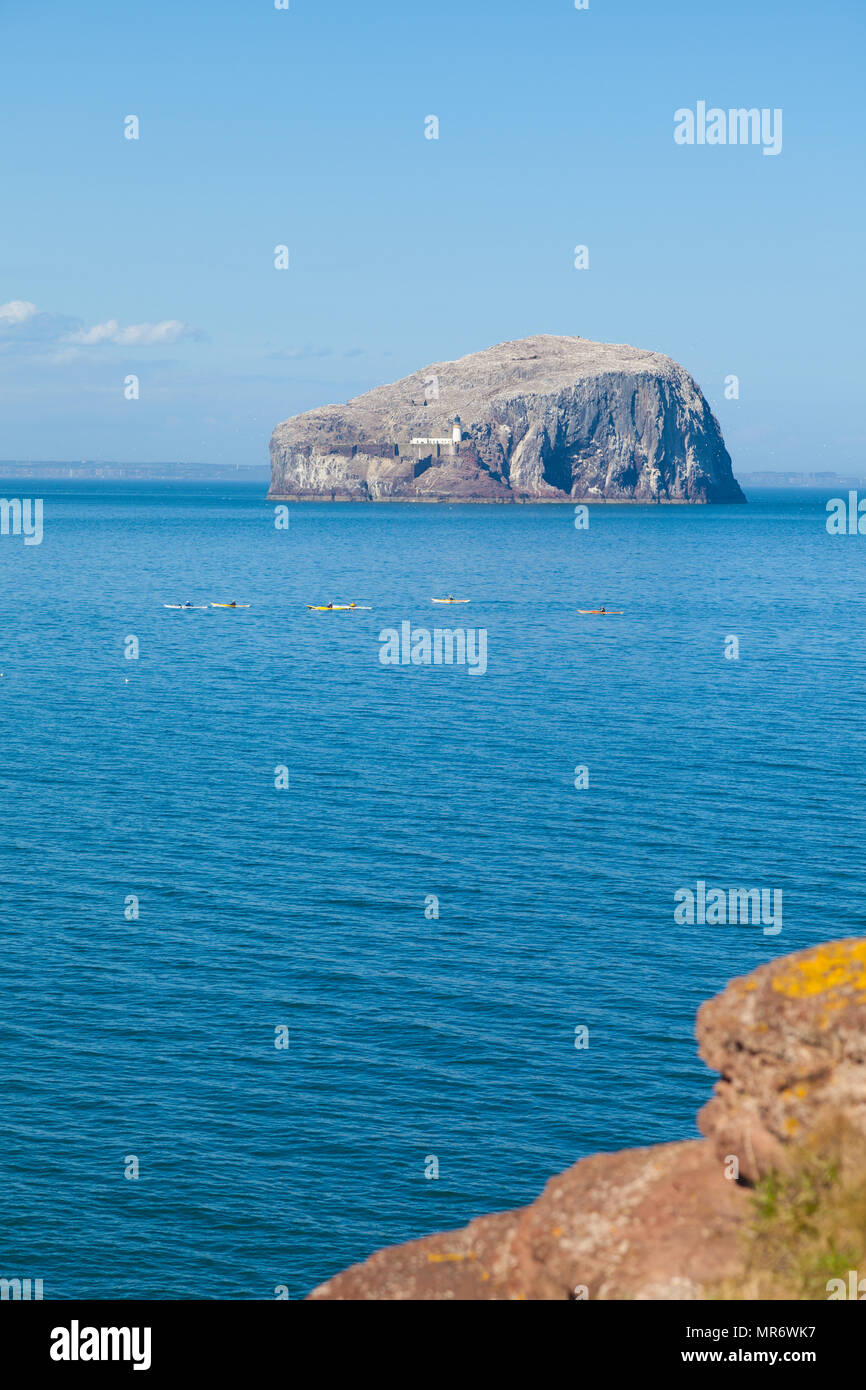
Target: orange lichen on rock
840 965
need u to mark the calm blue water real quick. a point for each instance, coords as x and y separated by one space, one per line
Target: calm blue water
259 907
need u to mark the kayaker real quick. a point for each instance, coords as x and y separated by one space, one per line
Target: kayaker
602 608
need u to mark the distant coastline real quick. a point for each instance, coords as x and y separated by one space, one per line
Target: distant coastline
147 472
785 479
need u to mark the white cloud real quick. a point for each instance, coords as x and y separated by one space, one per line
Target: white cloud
16 311
298 354
135 335
28 329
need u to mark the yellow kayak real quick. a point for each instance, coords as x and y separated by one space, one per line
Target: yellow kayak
337 607
231 605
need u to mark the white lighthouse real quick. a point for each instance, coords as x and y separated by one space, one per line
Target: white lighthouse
456 433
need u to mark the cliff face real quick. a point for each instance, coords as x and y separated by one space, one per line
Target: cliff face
669 1222
541 419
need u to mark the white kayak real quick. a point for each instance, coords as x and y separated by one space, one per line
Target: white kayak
187 607
450 600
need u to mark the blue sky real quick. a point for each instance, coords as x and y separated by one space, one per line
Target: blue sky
305 127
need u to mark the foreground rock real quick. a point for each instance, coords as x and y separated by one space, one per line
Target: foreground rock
790 1042
667 1222
540 419
657 1223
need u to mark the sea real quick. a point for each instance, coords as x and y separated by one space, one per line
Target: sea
302 953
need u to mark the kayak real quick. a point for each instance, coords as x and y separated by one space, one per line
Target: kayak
450 600
230 605
338 607
187 607
602 613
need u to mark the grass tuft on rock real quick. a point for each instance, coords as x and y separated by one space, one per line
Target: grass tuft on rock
808 1222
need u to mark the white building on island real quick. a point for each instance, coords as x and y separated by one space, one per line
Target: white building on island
453 439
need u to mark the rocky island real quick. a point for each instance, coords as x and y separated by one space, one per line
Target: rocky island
770 1204
542 419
